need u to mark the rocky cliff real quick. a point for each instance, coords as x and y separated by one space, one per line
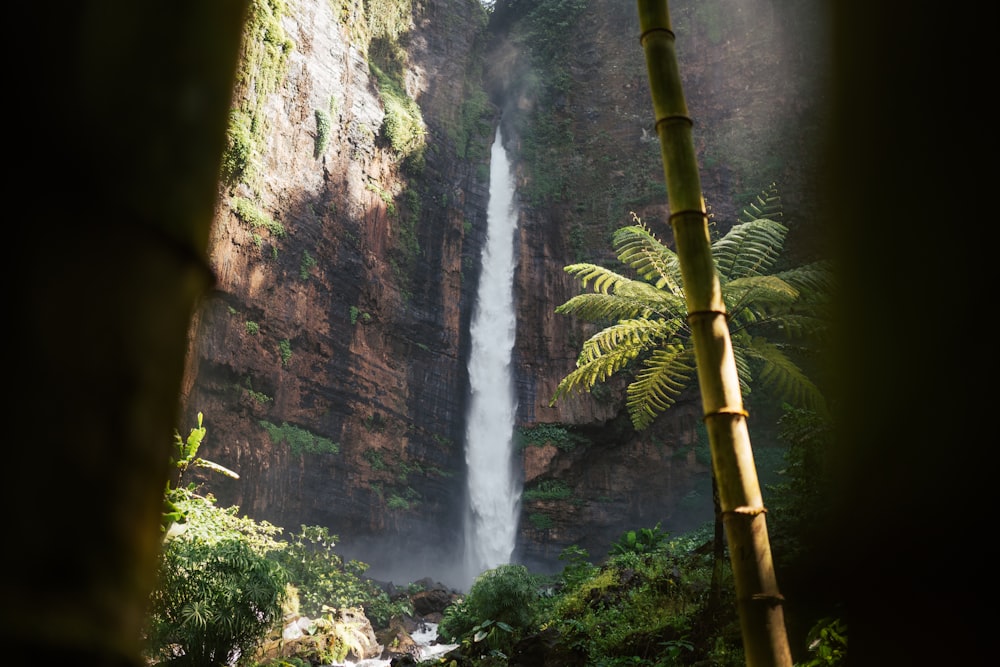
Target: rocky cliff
330 359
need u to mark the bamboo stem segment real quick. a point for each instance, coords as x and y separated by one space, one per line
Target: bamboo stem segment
762 622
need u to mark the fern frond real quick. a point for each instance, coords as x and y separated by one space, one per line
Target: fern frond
780 374
766 205
813 280
639 335
590 373
665 374
603 307
639 248
618 297
747 297
610 350
749 249
807 327
605 280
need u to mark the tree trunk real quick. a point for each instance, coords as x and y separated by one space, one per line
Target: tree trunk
758 600
122 112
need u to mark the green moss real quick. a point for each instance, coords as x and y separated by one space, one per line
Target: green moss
299 440
322 132
262 69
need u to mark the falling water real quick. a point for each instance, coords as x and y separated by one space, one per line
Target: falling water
494 494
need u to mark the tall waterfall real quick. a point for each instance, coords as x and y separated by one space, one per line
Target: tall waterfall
494 493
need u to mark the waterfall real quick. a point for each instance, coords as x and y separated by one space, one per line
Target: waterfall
494 493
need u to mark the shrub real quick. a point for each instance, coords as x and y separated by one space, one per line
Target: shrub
640 541
507 596
325 581
215 602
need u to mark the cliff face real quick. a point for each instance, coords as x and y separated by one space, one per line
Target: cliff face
330 360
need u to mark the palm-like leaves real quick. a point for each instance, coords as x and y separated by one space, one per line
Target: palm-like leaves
769 315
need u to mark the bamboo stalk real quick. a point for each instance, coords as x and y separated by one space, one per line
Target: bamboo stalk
762 623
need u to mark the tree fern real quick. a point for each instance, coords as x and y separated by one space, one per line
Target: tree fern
771 315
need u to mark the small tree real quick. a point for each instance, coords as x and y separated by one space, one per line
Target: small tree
499 609
217 593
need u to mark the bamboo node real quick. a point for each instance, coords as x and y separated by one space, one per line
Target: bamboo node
737 412
702 213
746 510
772 599
676 118
646 33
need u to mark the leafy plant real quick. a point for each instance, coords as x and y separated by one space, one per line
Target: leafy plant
249 213
307 263
501 606
358 314
549 489
322 132
540 521
650 337
217 594
827 644
285 346
549 434
184 458
299 440
214 603
645 540
325 581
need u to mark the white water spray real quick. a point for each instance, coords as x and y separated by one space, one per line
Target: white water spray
494 493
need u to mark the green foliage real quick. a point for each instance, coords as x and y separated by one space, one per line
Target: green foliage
499 609
215 601
307 263
262 67
249 213
240 147
578 567
358 314
397 502
636 609
650 338
475 125
375 460
299 440
549 434
640 607
549 489
252 328
403 123
540 521
543 33
375 423
217 594
645 540
322 132
801 501
285 346
183 458
259 396
324 581
827 644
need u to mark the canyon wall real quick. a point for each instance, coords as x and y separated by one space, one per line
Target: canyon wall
330 359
